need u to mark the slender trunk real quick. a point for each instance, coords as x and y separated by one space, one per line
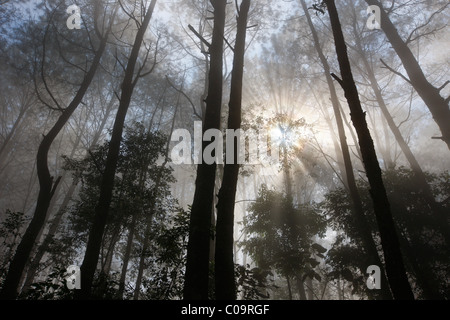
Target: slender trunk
101 211
301 288
46 184
106 267
289 287
142 256
126 257
197 263
437 105
31 273
395 268
224 264
309 289
364 228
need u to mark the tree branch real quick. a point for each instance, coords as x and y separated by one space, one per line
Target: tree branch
185 95
338 79
444 85
199 36
394 71
410 39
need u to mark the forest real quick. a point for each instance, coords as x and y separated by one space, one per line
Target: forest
224 150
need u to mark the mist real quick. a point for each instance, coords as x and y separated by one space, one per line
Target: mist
211 150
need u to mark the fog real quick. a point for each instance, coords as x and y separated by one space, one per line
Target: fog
196 149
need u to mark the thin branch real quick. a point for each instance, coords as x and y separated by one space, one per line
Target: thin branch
394 71
410 39
229 45
199 36
185 95
55 185
338 79
97 165
42 69
444 85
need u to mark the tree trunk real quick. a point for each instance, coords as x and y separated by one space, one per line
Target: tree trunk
365 233
420 179
46 184
309 289
197 264
31 273
224 264
395 268
437 105
101 211
106 267
126 257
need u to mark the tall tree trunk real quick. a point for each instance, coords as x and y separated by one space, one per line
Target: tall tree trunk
56 221
364 229
224 264
197 264
395 268
437 105
46 184
101 210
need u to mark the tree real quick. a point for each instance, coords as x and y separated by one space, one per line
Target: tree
437 104
197 264
281 236
391 248
349 177
101 212
140 193
224 262
421 181
418 229
46 183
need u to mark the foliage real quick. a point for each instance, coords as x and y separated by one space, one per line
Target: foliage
421 238
168 258
52 288
253 284
280 235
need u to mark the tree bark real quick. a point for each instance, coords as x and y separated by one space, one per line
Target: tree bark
395 268
437 105
364 229
197 264
101 211
46 185
224 263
